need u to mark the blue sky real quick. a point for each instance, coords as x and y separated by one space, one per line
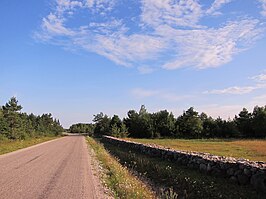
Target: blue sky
77 58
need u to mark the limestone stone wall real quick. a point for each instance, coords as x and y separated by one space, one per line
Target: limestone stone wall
241 171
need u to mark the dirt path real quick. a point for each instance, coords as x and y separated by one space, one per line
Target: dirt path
56 169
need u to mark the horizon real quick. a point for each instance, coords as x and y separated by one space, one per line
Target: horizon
75 59
110 116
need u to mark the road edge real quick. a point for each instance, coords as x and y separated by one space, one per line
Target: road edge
30 147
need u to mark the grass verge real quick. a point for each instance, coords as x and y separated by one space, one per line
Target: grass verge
7 146
178 181
250 149
118 178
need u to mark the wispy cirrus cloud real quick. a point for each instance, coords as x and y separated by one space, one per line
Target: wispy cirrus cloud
263 6
260 78
230 110
168 32
235 90
216 5
173 13
205 48
240 90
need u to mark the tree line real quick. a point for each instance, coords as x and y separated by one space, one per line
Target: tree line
82 128
15 124
191 124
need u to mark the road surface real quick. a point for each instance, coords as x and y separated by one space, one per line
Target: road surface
57 169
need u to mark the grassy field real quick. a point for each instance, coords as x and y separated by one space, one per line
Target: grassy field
249 149
118 178
7 146
174 181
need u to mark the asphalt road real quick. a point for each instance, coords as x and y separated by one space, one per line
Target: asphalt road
57 169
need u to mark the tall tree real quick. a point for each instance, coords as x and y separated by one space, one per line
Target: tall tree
190 124
82 128
11 113
140 125
132 123
164 123
116 121
209 125
244 123
102 123
3 125
259 121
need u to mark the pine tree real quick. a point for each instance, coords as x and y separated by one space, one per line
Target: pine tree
11 114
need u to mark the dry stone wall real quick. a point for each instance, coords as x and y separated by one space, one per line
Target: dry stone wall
241 171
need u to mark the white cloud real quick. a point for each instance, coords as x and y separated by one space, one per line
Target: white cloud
263 6
260 78
207 48
54 25
100 6
170 33
235 90
177 13
230 110
129 49
140 93
217 4
238 90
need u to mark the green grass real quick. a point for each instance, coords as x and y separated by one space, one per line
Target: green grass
7 146
118 178
178 180
249 149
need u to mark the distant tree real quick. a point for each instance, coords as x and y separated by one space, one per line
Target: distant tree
131 123
225 129
3 125
123 131
26 126
102 124
164 124
11 113
230 129
82 128
190 124
119 131
209 125
244 123
17 125
145 125
116 121
259 121
140 125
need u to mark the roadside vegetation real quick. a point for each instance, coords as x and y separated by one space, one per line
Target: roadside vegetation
82 128
244 136
254 150
7 146
175 181
189 125
118 178
16 125
190 131
19 130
